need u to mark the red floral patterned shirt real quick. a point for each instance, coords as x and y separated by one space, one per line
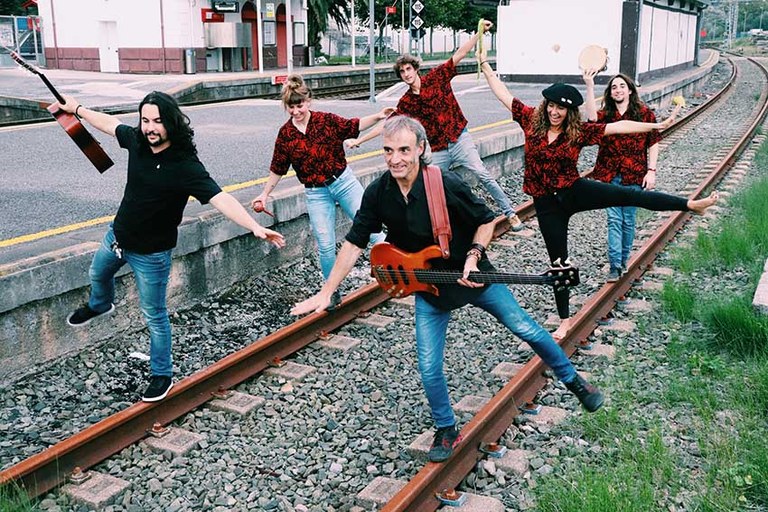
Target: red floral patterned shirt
551 167
625 154
435 107
317 154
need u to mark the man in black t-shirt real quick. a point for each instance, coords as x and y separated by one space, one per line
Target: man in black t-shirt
398 200
163 171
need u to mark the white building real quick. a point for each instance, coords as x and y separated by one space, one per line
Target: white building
174 36
540 40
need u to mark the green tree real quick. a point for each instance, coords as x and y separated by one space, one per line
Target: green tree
320 11
11 7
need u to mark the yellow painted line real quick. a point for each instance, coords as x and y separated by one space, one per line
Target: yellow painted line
56 231
229 188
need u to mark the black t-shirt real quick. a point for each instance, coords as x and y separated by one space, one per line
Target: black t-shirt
156 192
409 227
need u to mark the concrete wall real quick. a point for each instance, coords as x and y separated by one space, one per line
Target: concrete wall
213 253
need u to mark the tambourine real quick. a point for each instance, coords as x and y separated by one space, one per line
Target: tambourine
594 57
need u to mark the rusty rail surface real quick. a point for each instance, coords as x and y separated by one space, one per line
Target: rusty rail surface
490 423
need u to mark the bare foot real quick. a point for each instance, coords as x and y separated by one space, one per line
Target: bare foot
562 331
699 206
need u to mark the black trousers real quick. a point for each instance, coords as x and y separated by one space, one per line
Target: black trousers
555 210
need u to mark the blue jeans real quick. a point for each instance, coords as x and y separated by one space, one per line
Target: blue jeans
321 207
621 229
463 152
431 326
151 272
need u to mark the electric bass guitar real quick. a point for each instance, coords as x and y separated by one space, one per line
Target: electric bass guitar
400 273
71 123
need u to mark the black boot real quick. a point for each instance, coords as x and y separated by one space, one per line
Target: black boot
589 396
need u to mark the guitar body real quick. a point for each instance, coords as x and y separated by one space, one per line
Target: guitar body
84 140
395 270
401 273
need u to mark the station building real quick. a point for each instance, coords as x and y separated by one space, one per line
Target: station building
174 36
540 40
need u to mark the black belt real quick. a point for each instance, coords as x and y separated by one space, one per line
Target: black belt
327 182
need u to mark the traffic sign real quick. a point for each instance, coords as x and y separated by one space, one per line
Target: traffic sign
417 6
417 22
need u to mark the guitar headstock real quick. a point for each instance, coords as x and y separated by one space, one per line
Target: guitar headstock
21 62
564 276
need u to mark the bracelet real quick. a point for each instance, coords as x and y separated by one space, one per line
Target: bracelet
484 62
78 108
480 248
651 169
474 252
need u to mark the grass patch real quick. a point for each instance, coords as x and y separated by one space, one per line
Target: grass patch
13 499
634 477
712 401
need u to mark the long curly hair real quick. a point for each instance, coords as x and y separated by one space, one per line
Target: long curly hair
295 91
176 123
634 106
571 123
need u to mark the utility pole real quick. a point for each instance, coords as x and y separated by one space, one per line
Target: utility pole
371 52
352 29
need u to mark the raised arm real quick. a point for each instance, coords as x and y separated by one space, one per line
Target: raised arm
99 120
466 47
590 106
496 85
368 121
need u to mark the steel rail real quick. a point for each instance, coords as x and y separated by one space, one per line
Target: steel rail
489 424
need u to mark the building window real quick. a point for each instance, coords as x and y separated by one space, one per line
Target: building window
298 34
269 33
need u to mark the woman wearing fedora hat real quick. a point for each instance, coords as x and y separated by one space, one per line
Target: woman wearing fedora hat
554 136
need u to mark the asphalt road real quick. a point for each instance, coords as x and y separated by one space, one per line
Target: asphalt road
48 183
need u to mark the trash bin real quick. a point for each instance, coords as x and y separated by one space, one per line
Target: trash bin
190 67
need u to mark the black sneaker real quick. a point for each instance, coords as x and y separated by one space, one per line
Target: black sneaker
614 275
589 396
446 439
159 386
335 301
84 315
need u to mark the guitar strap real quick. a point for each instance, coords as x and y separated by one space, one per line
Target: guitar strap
438 211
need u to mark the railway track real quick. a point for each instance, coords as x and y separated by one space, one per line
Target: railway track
44 471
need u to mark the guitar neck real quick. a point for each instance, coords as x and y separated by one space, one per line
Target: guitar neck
450 276
51 88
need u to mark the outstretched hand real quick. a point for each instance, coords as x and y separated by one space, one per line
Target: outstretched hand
315 304
271 236
487 25
352 143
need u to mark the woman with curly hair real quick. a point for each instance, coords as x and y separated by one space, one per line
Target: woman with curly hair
312 142
554 136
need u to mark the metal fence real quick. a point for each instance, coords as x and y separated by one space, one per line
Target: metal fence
22 34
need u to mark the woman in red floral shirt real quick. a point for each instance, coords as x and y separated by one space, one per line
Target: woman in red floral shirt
554 136
627 160
312 142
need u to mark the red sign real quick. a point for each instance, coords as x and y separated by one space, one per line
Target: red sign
391 9
209 16
703 32
279 79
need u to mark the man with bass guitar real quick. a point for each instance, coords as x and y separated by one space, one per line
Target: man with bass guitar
163 171
398 201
